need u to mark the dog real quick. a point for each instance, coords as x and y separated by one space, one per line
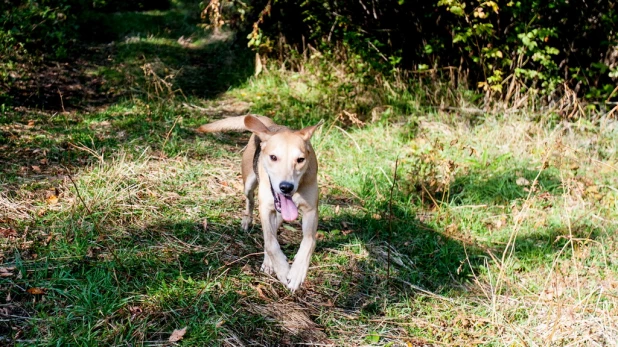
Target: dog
283 164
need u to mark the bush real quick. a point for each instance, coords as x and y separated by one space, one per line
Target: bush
39 27
503 48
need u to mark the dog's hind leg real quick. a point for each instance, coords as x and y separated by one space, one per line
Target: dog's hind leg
247 216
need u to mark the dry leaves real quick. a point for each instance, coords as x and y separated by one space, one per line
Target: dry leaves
7 271
51 196
178 334
52 200
36 291
8 232
135 311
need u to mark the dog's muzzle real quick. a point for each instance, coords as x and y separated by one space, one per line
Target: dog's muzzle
284 204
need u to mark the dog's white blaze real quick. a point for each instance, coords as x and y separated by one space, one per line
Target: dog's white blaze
285 168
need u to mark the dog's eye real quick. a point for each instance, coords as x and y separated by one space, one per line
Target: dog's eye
273 157
300 160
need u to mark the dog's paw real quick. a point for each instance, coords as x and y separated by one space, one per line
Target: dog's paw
267 266
297 275
247 222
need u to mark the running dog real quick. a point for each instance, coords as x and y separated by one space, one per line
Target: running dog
284 165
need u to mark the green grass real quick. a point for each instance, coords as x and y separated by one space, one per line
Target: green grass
500 229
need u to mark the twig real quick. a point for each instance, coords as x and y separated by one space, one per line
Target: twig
96 224
77 190
426 292
89 150
61 101
469 206
518 218
351 138
390 223
169 133
241 258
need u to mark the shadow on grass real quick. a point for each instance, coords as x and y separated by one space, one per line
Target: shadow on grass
63 112
108 285
111 55
143 283
479 187
112 285
535 247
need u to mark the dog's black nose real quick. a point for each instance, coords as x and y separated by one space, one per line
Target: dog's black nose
286 187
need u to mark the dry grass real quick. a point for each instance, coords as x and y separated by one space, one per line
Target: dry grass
564 296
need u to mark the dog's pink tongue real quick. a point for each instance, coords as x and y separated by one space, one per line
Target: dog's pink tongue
289 211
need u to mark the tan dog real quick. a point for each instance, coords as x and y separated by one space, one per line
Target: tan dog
284 165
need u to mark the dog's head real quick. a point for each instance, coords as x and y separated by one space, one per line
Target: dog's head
286 155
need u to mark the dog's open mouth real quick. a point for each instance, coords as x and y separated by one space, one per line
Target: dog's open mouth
285 206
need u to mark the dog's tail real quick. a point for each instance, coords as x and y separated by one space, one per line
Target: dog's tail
231 124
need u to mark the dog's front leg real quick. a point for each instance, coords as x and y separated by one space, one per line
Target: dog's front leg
274 259
298 272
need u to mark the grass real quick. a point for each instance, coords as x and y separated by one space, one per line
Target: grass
118 224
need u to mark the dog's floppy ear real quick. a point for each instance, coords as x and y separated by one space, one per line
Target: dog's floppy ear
258 128
307 132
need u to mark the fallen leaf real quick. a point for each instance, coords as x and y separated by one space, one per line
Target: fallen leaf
472 151
30 123
522 182
8 232
451 228
373 337
177 335
260 292
6 271
36 291
246 269
135 311
43 161
52 200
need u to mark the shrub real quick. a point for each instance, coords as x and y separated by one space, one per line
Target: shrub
503 48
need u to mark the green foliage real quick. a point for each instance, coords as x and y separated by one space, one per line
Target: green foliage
503 48
50 27
36 26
